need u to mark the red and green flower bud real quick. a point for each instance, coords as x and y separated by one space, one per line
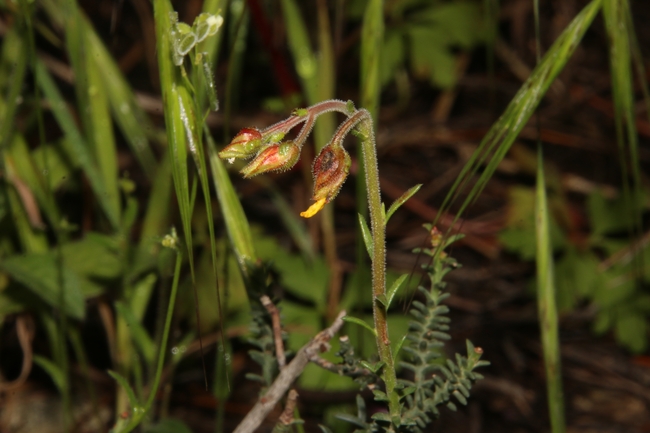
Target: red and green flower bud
330 169
275 157
246 144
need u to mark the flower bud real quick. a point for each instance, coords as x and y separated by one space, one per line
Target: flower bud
330 169
275 157
245 145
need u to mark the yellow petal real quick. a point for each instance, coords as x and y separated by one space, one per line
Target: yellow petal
313 209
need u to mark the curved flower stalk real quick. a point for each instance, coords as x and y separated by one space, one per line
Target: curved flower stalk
330 170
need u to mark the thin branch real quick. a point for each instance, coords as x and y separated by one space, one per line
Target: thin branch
277 330
286 377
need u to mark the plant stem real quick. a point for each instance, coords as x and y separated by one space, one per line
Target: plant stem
139 413
379 310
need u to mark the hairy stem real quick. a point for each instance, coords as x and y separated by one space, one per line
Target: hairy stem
377 225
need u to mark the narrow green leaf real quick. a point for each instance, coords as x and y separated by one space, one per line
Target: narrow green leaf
13 64
20 157
500 137
32 239
53 370
75 146
372 37
394 288
367 235
141 339
207 83
303 56
40 273
361 323
133 400
176 115
400 201
547 307
234 217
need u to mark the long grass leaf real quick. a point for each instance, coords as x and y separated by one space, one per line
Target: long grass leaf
547 308
94 107
170 82
303 55
616 14
13 65
75 146
131 119
502 134
233 214
372 36
27 170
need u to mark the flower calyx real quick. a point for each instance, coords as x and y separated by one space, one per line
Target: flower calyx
330 169
245 145
275 157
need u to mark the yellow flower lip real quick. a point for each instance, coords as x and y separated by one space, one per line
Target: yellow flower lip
314 208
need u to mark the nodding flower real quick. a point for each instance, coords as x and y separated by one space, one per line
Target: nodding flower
275 157
245 145
330 169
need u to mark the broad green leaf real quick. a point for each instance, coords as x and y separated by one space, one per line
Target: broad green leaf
42 274
96 255
433 61
305 279
393 56
461 22
632 331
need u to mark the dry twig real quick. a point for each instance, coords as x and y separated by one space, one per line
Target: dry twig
288 374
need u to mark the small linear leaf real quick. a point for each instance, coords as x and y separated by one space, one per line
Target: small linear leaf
361 323
401 200
367 235
133 401
395 287
53 370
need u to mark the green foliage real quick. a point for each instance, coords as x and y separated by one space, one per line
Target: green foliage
603 269
421 36
432 381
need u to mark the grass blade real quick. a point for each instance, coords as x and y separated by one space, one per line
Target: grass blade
94 107
618 25
500 137
547 308
170 83
14 60
235 219
75 146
